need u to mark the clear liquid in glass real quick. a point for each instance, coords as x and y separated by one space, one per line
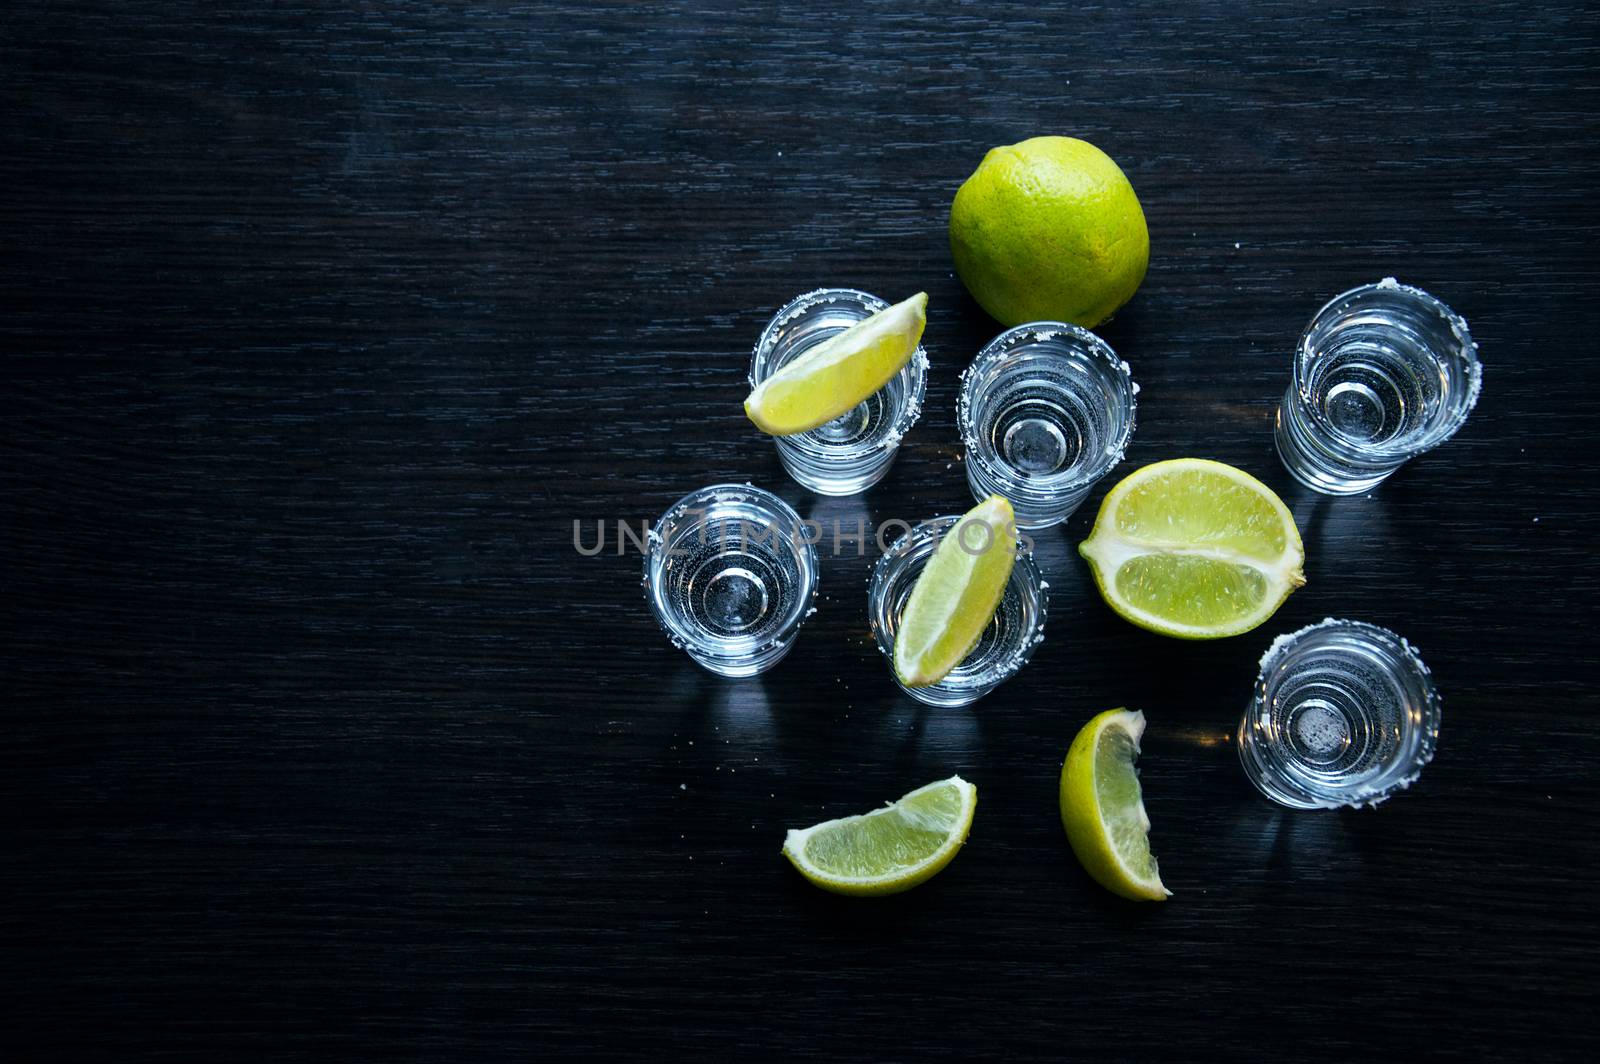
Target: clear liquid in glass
730 576
1345 713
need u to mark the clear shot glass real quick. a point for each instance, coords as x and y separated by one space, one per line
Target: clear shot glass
731 575
1383 373
852 452
1045 410
1344 714
1005 646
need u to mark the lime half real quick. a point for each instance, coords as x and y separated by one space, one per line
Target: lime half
840 372
1102 807
887 850
1194 549
956 594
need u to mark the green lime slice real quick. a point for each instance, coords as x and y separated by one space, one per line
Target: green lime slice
887 850
956 594
839 373
1102 807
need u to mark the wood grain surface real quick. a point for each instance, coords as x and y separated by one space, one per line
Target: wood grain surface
323 323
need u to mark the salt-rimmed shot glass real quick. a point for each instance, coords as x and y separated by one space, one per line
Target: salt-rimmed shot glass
1005 646
1344 714
853 451
1382 373
1046 409
730 575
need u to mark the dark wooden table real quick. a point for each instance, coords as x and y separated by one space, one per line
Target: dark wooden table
324 323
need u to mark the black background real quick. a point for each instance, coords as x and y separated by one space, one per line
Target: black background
323 323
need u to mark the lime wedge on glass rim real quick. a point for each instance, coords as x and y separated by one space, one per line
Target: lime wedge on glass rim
1194 549
956 594
1102 807
840 372
887 850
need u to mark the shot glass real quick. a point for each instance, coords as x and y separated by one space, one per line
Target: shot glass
731 576
852 452
1045 410
1344 714
1383 373
1005 646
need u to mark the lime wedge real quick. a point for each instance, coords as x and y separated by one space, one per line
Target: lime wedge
1103 810
890 849
839 373
1194 549
956 594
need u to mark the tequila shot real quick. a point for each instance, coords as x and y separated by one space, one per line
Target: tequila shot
1383 373
852 452
1045 410
731 575
1005 646
1344 714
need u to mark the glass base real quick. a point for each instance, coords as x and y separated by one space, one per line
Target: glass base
838 478
1316 466
1030 517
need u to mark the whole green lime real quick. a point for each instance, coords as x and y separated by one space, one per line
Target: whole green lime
1049 229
